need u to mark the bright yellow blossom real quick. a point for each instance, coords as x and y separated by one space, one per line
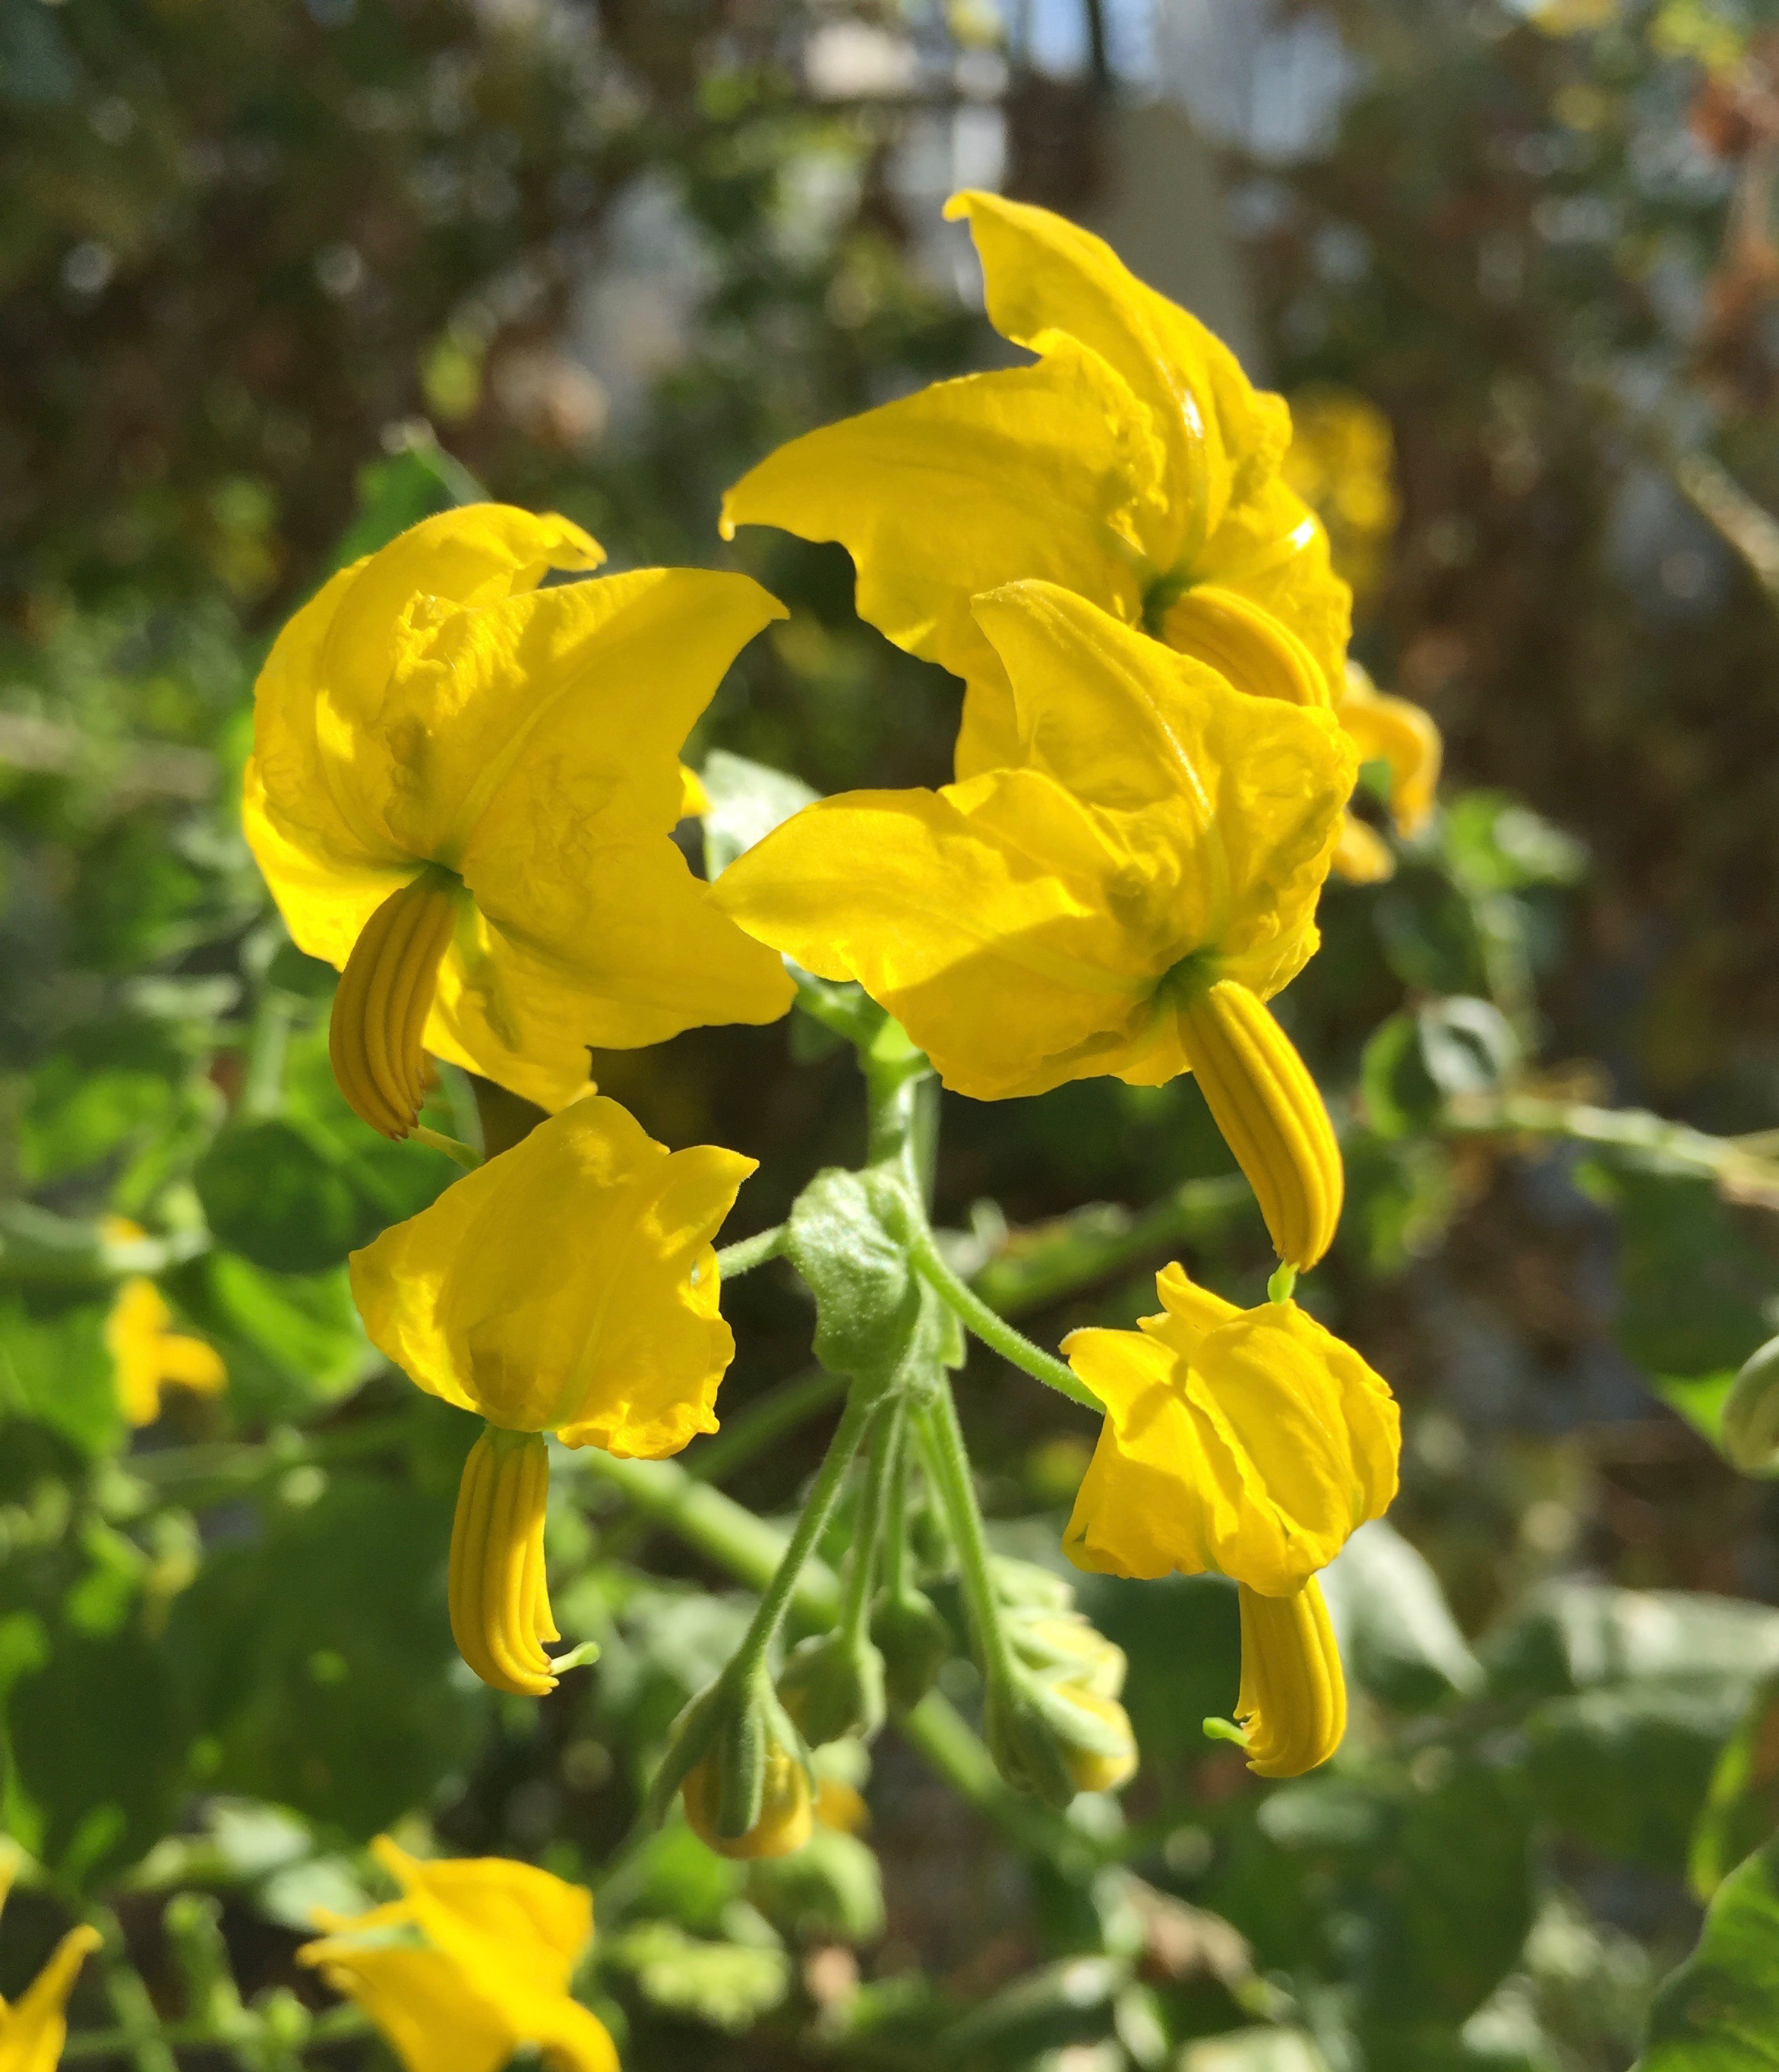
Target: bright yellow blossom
471 1964
1341 462
1134 463
462 792
1247 1443
34 2027
147 1352
568 1286
1120 898
1400 734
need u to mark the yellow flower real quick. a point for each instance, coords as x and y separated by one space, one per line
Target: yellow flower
147 1352
1403 737
34 2027
1134 463
471 1964
568 1286
1341 462
1119 899
787 1806
462 790
1247 1443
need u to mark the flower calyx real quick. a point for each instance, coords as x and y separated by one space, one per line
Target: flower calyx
747 1790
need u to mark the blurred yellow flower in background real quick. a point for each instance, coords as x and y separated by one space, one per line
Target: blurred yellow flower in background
568 1285
148 1351
471 1964
1249 1444
463 792
34 2028
1120 899
1341 460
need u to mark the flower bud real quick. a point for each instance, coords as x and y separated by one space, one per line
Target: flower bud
1054 1740
833 1686
1065 1645
1099 1746
748 1794
1750 1427
915 1642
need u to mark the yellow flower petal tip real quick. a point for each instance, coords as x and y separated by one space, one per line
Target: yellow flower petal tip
1400 734
385 995
147 1352
499 1598
786 1813
34 2028
434 718
1292 1703
1362 856
568 1286
469 1966
1247 1443
1271 1115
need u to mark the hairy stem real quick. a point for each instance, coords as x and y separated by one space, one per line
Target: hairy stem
948 1462
733 1260
995 1332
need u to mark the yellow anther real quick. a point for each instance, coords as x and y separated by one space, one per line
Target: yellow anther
1270 1112
499 1600
385 994
1245 644
1292 1701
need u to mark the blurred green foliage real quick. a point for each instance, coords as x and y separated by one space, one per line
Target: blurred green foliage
278 280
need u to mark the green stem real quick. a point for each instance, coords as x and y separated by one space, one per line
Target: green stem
776 1600
948 1462
268 1039
140 2026
1746 1171
335 2025
726 1532
733 1260
895 1541
867 1537
750 1431
995 1332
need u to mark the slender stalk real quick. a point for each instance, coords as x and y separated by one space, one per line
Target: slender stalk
334 2025
733 1260
948 1462
776 1600
995 1332
1742 1169
862 1563
141 2040
750 1431
895 1539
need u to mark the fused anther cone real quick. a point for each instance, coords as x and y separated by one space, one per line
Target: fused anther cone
1292 1702
374 1037
1271 1114
500 1604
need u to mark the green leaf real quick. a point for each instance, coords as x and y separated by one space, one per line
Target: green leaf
1253 2050
868 1298
275 1197
830 1891
1716 2013
1494 843
290 1341
56 1369
747 801
319 1657
1420 1059
1396 1630
1742 1806
726 1985
1627 1769
1575 1636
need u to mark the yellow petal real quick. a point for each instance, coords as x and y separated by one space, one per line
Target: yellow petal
1271 1115
1292 1701
1395 731
1254 651
1253 1448
978 916
33 2029
1362 856
1189 1313
1045 275
147 1352
1049 471
694 799
567 1284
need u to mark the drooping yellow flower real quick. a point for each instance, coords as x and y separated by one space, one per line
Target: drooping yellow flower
148 1352
462 792
34 2027
1120 898
1134 463
472 1963
568 1285
1401 735
1341 462
1246 1443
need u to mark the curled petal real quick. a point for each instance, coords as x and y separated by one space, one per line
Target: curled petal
1402 734
499 1604
1362 856
1271 1115
1292 1701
